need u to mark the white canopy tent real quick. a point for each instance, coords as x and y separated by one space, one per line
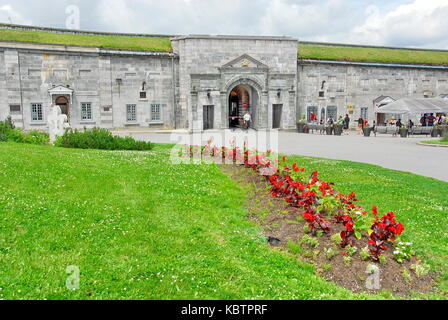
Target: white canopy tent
415 106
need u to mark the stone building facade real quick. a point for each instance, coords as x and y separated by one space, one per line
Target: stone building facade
207 82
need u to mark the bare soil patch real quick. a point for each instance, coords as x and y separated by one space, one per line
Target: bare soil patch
283 222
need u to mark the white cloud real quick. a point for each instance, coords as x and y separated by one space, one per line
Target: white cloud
9 15
420 23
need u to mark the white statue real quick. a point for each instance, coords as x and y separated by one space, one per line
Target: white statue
57 123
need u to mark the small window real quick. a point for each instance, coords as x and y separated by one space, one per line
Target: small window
84 73
365 113
86 111
131 113
14 108
156 113
321 94
107 109
37 112
142 94
332 112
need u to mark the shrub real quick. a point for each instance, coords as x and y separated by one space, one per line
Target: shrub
9 133
6 128
98 138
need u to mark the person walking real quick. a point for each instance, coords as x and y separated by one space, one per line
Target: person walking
399 124
347 122
360 125
247 120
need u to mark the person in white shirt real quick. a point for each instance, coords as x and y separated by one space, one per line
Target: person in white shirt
247 120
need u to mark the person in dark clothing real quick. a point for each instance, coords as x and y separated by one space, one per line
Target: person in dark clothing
423 121
431 120
360 125
347 122
399 124
410 124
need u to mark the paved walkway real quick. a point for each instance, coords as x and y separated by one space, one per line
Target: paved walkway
386 151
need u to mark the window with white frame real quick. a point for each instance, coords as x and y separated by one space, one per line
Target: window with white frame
131 113
37 112
156 113
364 113
86 111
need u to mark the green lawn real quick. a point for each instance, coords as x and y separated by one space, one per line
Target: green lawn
138 228
141 228
439 142
420 203
322 52
100 41
306 51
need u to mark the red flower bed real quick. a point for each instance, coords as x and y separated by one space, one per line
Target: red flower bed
322 205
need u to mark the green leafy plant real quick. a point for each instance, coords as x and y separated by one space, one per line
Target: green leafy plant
320 233
306 229
362 224
382 259
421 269
347 260
365 254
98 138
403 251
8 132
330 253
329 205
351 251
309 241
336 238
405 274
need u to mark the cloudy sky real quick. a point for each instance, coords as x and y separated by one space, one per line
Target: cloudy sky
413 23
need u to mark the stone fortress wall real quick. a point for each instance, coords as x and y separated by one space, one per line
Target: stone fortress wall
168 90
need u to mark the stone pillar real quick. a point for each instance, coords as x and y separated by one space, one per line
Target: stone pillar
291 116
224 110
194 126
263 117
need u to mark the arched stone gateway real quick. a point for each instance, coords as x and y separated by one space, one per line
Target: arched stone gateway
243 95
243 98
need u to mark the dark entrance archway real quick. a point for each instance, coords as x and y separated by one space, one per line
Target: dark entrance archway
63 103
242 99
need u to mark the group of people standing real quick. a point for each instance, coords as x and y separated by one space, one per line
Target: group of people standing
430 120
331 121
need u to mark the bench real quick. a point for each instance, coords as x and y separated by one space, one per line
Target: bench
386 130
421 130
316 127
